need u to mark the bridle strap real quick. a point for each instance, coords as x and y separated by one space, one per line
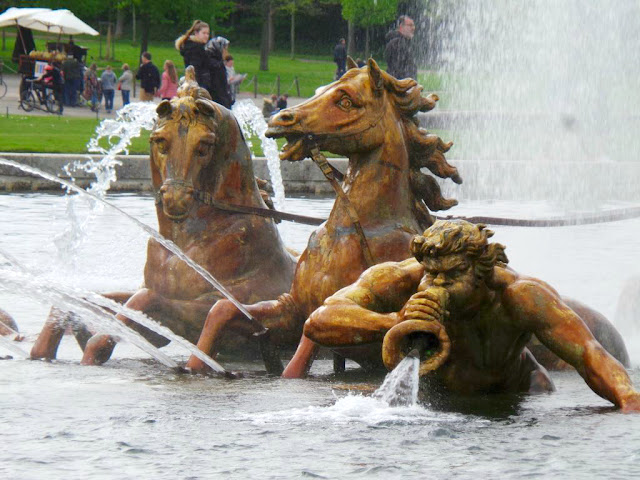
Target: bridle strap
207 199
328 171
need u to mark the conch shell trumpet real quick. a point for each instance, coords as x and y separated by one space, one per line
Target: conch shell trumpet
401 339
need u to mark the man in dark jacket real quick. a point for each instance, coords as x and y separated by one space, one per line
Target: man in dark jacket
340 57
149 77
398 53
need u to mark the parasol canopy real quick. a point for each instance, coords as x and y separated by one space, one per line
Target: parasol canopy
11 16
62 22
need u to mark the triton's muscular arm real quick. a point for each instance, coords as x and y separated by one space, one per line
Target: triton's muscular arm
539 308
363 312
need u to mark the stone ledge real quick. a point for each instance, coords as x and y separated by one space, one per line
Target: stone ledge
134 174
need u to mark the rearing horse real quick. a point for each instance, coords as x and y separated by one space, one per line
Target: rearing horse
199 161
368 116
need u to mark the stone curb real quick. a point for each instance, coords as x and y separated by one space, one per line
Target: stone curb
134 174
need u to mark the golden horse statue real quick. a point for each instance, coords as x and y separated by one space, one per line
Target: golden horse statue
200 163
369 117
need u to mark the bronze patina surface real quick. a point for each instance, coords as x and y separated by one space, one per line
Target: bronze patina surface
197 152
369 117
489 314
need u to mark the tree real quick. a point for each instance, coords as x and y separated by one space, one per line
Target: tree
292 7
368 13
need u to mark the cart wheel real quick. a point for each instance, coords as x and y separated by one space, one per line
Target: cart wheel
3 88
28 101
51 103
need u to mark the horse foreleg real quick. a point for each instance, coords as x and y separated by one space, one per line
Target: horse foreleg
47 343
271 320
98 348
302 360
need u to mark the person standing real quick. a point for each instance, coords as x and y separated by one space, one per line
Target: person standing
125 83
216 50
108 80
91 86
169 86
398 53
149 77
71 75
191 47
340 57
233 79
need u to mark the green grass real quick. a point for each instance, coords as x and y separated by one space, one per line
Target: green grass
53 134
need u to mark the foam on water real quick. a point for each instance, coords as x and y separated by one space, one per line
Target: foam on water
395 401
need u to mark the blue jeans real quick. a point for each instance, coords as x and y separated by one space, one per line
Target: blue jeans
108 99
125 97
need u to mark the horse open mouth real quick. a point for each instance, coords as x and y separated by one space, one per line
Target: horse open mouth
294 150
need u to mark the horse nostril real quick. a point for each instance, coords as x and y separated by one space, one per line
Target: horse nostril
163 189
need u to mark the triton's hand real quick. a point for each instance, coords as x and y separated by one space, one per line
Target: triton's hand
427 305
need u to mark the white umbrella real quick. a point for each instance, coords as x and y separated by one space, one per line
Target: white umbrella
57 21
10 17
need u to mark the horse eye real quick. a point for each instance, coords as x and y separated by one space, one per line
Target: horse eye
345 103
203 150
162 146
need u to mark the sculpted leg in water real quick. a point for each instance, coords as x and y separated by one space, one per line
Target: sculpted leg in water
489 312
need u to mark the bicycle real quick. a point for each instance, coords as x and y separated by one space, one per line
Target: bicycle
35 96
3 84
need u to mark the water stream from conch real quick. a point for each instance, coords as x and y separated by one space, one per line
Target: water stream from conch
252 123
400 386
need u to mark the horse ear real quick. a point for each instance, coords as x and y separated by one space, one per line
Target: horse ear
205 107
377 82
164 108
351 63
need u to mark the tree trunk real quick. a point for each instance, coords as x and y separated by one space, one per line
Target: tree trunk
109 40
272 30
133 24
366 43
119 23
351 39
144 35
264 39
293 34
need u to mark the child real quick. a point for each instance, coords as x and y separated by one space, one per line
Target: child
169 86
125 84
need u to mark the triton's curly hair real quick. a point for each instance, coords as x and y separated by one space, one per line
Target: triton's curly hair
445 237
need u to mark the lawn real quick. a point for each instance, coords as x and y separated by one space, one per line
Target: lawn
54 134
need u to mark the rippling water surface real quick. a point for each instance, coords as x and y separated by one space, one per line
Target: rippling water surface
134 418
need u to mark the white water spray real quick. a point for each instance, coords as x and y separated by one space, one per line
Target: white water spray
252 123
129 123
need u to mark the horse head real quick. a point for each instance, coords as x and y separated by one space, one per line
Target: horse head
351 115
365 110
192 138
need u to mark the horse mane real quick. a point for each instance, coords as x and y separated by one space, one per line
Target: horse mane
425 149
